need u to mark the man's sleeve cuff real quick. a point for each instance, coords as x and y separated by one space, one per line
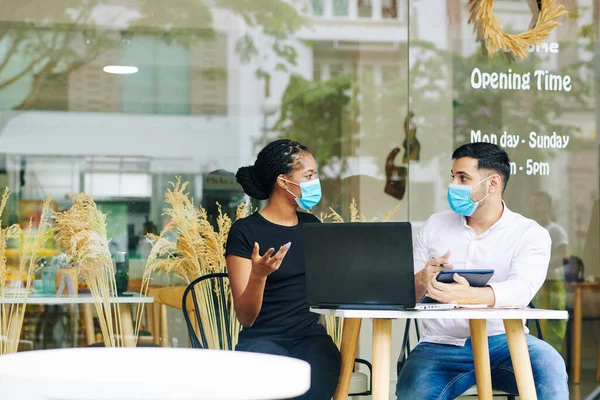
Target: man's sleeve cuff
502 294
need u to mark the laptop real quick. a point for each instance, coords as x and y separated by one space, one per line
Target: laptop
361 265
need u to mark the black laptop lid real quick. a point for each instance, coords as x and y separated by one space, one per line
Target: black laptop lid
359 265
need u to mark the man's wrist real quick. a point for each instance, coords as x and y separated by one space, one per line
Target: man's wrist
481 295
491 296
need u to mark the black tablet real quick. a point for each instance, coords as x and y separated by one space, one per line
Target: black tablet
475 277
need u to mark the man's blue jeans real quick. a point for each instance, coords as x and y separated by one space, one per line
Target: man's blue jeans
440 371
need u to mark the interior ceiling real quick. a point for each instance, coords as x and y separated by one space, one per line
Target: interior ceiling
109 14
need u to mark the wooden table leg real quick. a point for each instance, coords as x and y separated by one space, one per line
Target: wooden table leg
519 355
382 351
155 323
127 325
164 327
575 393
146 324
577 326
74 311
481 358
598 368
545 304
348 351
88 320
148 318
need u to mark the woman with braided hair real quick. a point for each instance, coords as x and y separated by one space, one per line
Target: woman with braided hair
269 287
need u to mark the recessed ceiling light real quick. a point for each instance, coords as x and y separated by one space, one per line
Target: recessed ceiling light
120 69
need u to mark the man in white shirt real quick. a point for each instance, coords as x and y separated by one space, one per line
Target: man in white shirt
479 232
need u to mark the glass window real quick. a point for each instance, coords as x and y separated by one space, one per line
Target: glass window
318 8
365 8
340 8
111 185
543 110
118 99
162 83
389 9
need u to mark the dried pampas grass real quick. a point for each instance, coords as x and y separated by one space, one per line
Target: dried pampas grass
12 307
81 233
355 215
189 247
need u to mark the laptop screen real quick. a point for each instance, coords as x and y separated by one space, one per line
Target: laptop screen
359 265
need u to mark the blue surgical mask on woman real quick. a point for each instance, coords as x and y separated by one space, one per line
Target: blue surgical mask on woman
310 192
459 198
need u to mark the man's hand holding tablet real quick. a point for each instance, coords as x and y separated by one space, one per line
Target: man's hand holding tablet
462 287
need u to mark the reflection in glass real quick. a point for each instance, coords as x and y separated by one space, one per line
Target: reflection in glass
389 9
550 135
215 84
340 8
318 8
365 8
552 294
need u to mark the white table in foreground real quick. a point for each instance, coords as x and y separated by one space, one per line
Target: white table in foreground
78 299
150 374
382 328
87 300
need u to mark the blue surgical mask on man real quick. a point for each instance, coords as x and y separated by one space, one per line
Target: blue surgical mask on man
310 192
459 198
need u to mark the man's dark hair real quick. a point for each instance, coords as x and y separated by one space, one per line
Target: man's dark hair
488 156
277 158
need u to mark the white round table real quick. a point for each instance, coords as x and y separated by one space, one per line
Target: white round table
150 374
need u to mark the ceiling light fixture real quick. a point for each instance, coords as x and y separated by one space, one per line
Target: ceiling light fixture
120 69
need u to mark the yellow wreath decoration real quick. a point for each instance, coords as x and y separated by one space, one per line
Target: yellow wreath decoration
486 23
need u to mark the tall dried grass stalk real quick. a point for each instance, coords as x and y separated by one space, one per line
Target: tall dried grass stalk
81 233
335 325
12 308
199 250
3 240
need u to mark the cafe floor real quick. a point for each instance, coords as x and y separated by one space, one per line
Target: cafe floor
577 392
587 385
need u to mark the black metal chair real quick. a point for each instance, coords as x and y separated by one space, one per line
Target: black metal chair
217 282
406 349
223 313
368 390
